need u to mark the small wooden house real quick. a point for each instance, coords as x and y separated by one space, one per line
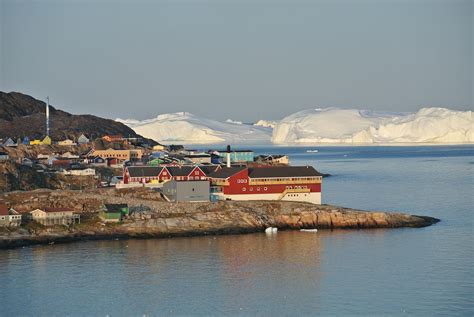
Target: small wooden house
66 142
9 142
112 138
47 140
4 156
82 139
35 142
114 212
159 147
55 216
9 217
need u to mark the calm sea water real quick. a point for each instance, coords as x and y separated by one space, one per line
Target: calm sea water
426 271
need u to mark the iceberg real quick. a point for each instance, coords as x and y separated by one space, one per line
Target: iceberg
353 126
321 125
266 123
186 128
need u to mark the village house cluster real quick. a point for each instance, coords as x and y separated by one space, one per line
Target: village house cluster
189 175
52 216
75 158
180 174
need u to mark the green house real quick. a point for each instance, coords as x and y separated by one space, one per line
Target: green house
114 212
155 162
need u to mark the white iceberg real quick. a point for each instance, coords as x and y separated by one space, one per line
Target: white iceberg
186 128
266 123
352 126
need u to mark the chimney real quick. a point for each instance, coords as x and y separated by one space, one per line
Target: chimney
228 156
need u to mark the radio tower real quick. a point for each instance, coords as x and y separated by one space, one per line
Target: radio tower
47 116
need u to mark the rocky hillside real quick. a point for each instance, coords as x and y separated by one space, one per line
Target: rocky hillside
22 115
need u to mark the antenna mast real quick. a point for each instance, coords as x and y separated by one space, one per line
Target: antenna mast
47 116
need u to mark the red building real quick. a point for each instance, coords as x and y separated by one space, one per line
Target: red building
295 183
160 174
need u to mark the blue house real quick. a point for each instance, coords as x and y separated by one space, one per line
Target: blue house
159 154
237 156
26 140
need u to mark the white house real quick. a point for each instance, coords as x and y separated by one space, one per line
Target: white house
82 139
4 156
9 142
69 155
55 216
9 217
80 172
66 142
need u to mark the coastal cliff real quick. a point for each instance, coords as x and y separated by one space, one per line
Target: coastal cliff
156 219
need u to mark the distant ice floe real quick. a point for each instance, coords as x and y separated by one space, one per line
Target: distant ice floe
232 121
352 126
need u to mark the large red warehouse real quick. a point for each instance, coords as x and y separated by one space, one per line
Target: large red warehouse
295 183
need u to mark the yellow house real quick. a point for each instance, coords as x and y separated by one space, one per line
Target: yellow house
159 147
47 140
121 155
35 142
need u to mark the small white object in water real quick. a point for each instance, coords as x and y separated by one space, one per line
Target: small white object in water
271 230
309 230
312 151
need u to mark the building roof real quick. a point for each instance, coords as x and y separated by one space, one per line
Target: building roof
57 209
115 207
180 170
208 169
3 210
144 171
197 155
283 171
235 151
226 172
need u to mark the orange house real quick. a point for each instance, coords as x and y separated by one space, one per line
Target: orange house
112 138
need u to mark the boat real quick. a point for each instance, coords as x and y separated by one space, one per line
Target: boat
309 230
312 151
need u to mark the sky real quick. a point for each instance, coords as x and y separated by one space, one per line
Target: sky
243 60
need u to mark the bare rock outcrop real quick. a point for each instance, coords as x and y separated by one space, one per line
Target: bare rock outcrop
157 218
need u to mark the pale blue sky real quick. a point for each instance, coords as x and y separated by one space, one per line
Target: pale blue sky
244 60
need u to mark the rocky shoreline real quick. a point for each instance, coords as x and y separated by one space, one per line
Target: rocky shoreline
163 220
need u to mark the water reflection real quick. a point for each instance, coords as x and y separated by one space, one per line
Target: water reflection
423 271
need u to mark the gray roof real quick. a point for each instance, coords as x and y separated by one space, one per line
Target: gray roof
208 169
144 171
226 172
283 171
180 170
